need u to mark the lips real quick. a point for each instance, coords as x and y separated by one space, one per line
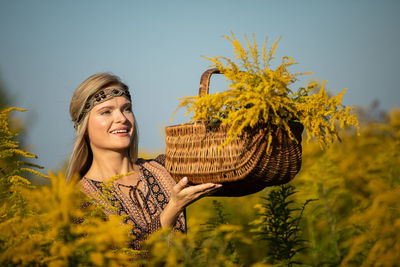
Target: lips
120 131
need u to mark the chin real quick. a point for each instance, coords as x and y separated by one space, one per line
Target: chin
120 147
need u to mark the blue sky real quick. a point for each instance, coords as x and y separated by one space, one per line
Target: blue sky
48 48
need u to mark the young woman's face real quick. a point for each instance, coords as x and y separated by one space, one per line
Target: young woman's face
111 125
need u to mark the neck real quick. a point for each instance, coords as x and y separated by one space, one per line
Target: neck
108 164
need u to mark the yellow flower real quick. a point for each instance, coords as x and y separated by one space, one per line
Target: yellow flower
260 94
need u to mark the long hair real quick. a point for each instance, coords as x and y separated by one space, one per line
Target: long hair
82 156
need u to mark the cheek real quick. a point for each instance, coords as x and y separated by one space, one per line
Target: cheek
100 123
132 121
97 128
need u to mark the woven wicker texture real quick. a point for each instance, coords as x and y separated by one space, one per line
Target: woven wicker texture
243 166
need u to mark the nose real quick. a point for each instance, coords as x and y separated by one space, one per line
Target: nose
120 117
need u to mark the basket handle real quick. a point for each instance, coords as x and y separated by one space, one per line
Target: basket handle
205 80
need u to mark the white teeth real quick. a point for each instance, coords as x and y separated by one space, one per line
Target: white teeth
119 131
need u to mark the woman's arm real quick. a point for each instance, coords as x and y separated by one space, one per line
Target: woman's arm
181 196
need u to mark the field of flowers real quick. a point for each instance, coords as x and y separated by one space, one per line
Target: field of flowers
342 209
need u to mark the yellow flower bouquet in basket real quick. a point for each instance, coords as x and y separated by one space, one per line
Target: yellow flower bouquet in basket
249 136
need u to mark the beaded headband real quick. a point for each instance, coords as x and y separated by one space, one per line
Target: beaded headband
100 97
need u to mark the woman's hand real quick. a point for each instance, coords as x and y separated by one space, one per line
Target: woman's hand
181 196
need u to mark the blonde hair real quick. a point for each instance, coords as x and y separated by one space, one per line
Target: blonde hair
82 156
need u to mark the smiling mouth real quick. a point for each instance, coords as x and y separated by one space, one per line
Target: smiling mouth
119 131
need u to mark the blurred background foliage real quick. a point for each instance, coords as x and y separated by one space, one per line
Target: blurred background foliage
353 220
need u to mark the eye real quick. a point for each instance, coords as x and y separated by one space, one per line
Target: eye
105 112
128 109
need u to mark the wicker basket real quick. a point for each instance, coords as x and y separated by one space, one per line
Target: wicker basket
244 166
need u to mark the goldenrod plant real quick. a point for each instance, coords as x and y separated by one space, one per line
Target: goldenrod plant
279 224
218 218
53 225
260 94
355 221
168 248
355 217
12 169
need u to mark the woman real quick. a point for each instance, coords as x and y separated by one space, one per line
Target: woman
106 145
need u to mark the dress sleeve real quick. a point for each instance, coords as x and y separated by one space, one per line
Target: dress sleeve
161 159
154 225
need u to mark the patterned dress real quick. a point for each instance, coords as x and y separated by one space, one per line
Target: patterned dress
142 203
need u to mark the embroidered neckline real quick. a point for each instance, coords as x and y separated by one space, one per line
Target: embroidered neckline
140 177
139 163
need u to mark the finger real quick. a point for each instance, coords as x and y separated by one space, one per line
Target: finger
206 192
213 190
194 193
181 184
200 189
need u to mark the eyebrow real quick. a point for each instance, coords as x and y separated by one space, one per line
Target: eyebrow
105 107
112 106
